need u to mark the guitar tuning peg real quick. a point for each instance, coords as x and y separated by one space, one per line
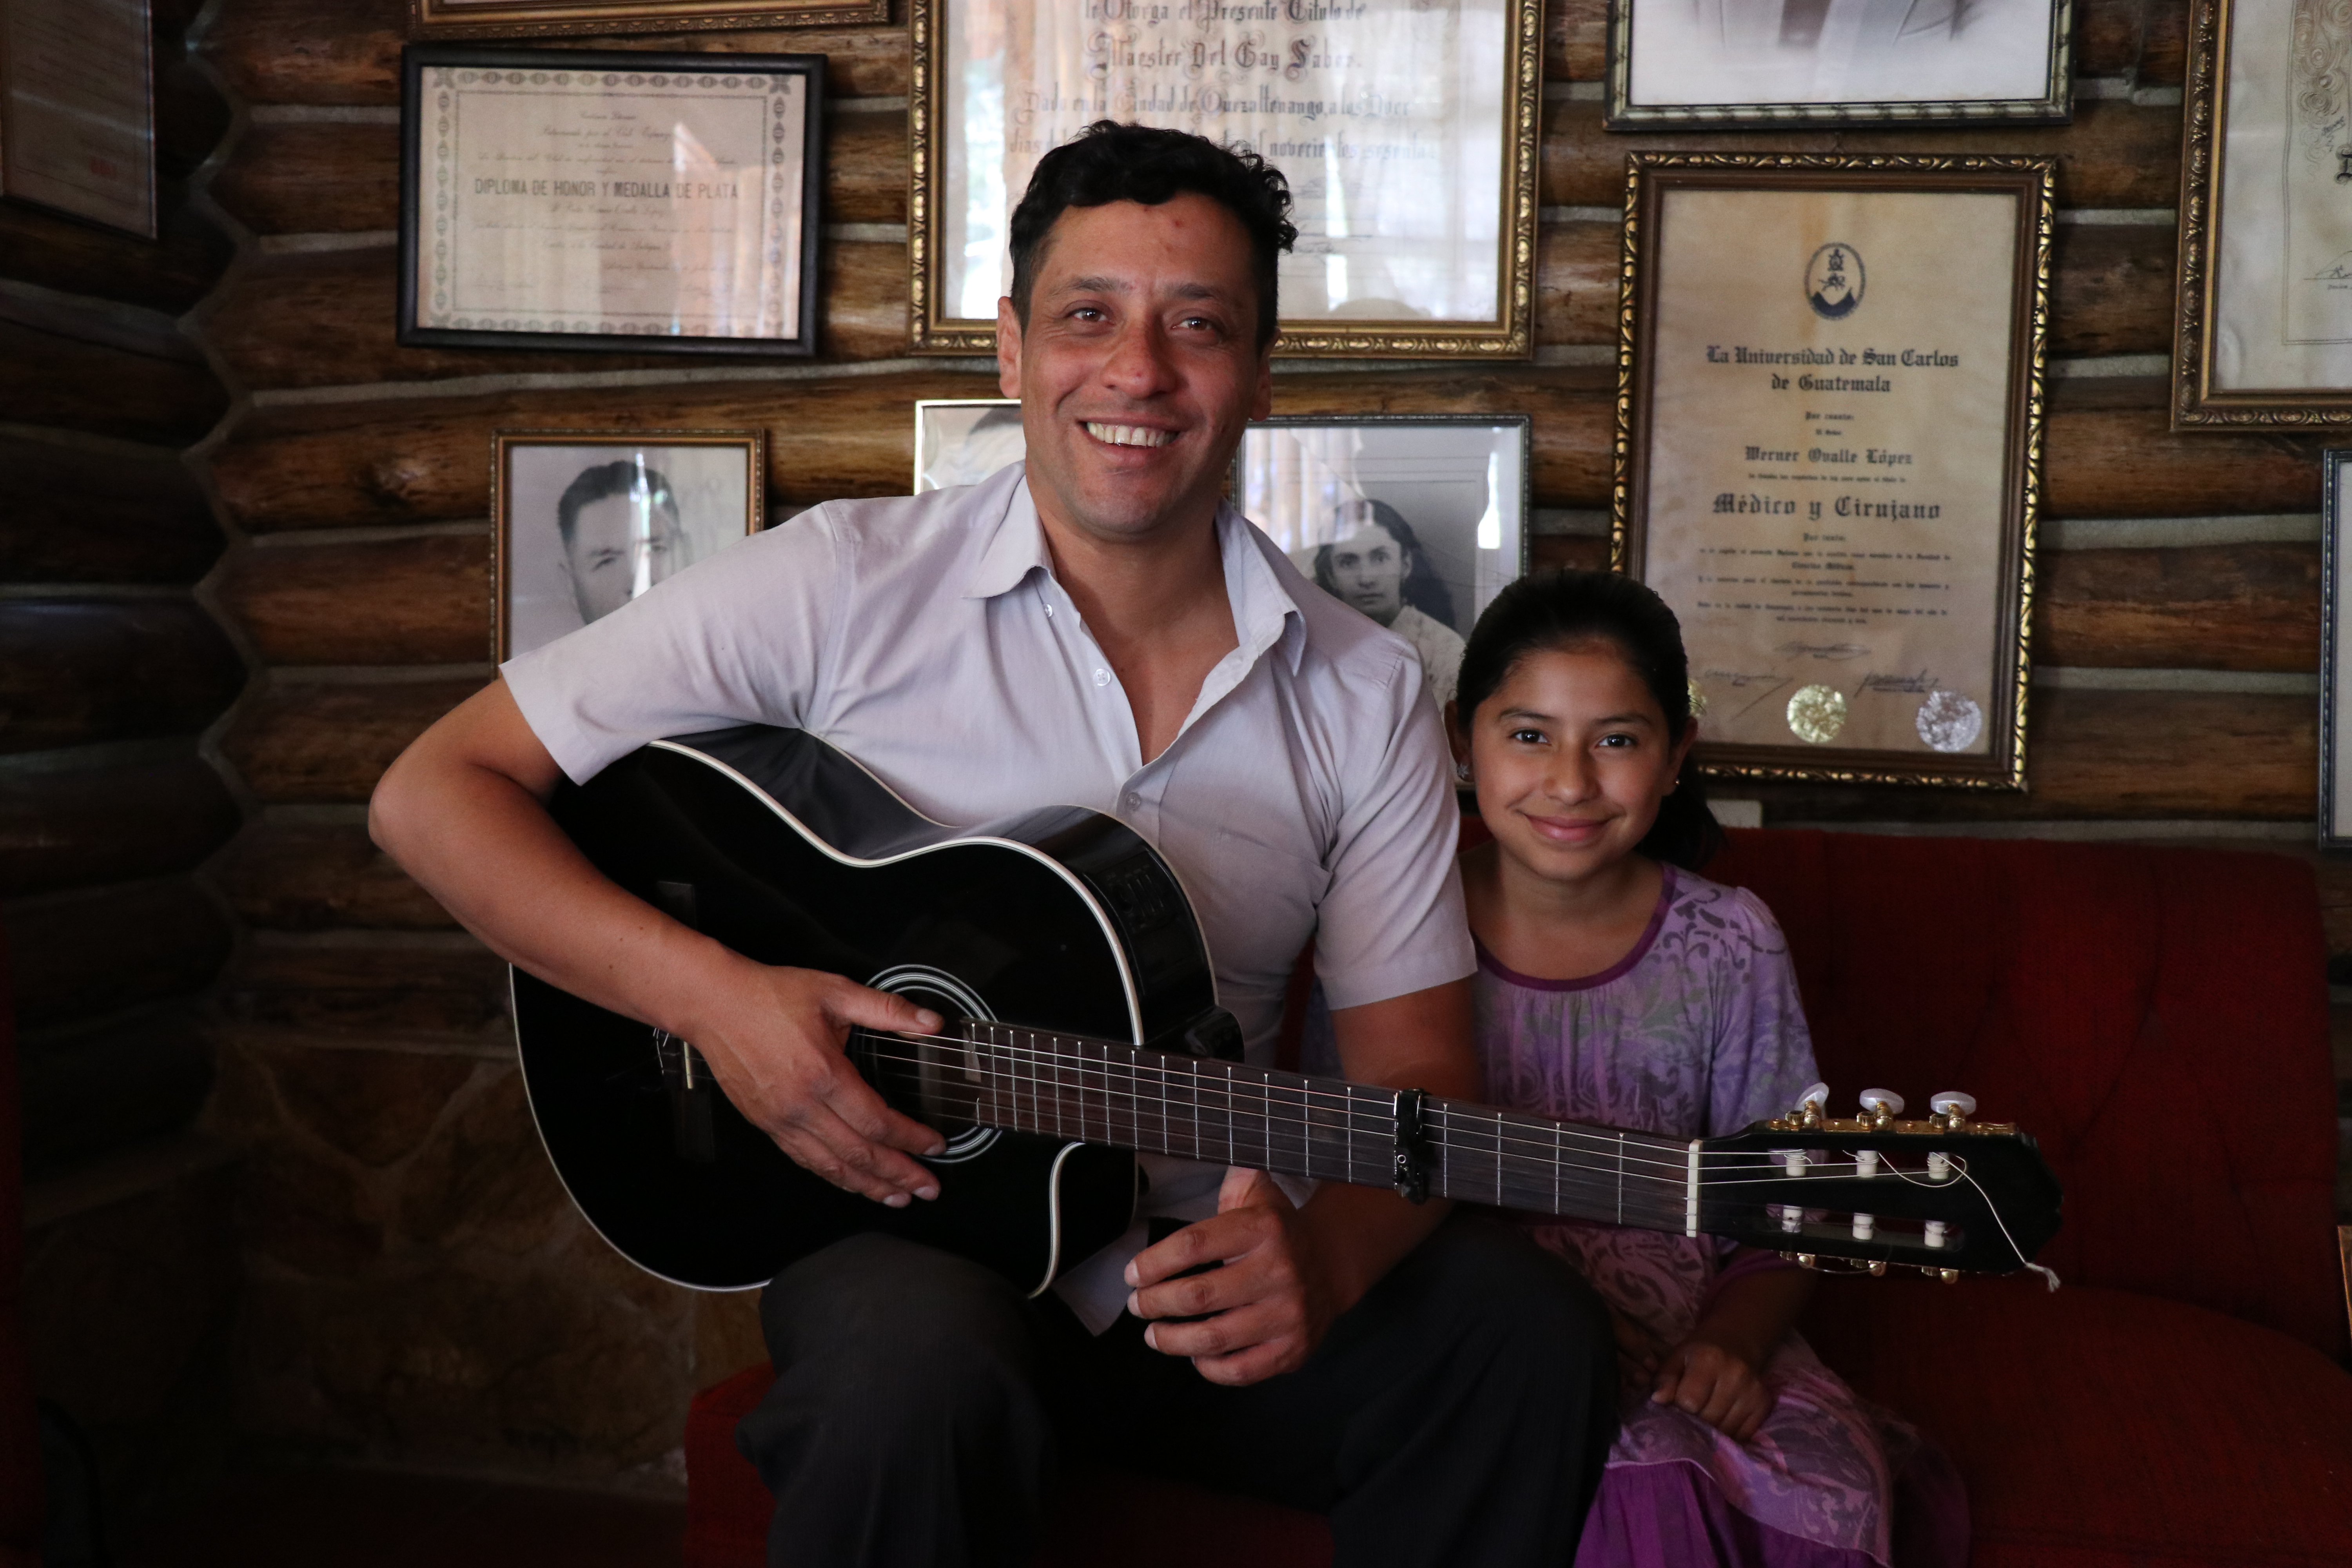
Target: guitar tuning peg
1812 1105
1882 1104
1954 1107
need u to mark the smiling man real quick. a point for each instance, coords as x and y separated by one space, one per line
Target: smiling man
1095 629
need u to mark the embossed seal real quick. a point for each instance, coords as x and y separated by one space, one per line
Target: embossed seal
1833 281
1817 713
1949 722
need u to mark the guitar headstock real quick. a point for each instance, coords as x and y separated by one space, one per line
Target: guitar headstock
1944 1194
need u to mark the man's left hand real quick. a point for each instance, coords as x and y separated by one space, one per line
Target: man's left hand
1264 1312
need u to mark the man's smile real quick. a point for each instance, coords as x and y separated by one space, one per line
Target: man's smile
1127 435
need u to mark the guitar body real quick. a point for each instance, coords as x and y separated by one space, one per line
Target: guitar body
788 852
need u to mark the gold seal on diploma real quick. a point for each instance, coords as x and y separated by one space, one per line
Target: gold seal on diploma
1817 713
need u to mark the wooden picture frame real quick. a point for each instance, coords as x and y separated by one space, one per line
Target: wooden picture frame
77 110
1416 520
1428 249
2264 308
2335 639
613 18
1695 65
610 200
1840 508
583 520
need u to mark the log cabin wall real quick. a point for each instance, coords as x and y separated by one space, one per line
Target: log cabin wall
417 1287
113 669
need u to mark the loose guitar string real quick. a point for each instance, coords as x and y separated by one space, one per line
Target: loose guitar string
1234 1094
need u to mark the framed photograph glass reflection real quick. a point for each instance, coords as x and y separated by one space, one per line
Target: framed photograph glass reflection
1699 63
1829 453
611 18
963 441
1407 130
587 521
568 199
1418 521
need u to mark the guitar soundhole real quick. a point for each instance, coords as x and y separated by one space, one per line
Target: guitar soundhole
936 1081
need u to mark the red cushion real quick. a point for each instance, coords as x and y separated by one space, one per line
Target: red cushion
2099 1427
1103 1516
2158 1018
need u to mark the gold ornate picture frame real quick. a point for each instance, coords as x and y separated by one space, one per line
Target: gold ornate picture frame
1414 159
613 18
1828 453
2265 337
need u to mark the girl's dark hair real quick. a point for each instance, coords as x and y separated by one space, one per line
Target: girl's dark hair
1547 610
1421 587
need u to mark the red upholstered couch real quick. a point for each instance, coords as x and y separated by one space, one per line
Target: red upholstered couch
2158 1018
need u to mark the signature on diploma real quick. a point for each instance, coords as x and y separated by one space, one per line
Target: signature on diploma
2336 271
1922 683
1826 652
1768 681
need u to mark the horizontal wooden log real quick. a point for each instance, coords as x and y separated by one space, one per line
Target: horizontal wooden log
83 955
328 741
330 177
91 1092
429 991
2109 754
2111 288
156 391
2125 462
348 51
2115 155
319 877
74 671
2238 606
410 600
117 822
78 516
328 318
170 273
2164 44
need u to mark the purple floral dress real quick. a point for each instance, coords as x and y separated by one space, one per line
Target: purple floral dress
1696 1033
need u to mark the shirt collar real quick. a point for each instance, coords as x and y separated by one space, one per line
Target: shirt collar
1265 611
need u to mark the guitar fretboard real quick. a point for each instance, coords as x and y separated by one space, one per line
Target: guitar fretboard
1064 1086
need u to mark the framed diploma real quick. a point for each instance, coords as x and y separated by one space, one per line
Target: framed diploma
2334 689
78 108
1407 130
1830 393
587 521
1417 521
2266 330
548 19
1698 63
572 200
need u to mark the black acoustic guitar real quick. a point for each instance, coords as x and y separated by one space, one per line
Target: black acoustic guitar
1083 1024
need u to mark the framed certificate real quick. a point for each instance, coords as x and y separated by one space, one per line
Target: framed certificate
1407 130
617 200
1830 393
547 18
587 521
78 108
2265 331
1697 63
1417 521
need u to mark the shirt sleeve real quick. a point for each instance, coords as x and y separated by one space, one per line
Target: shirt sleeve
1763 1046
742 637
1392 922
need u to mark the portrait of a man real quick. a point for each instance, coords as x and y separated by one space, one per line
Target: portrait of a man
587 523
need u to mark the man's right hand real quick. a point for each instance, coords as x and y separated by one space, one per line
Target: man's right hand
775 1039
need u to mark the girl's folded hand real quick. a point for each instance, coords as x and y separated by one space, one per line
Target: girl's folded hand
1716 1382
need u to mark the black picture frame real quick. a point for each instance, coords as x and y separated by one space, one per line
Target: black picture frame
416 58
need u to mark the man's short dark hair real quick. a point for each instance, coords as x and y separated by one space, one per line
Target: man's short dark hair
1108 162
602 481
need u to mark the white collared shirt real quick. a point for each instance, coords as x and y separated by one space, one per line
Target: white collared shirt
1307 794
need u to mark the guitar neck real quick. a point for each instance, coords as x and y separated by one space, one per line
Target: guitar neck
1064 1086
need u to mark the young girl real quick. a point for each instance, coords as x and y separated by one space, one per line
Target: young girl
1616 985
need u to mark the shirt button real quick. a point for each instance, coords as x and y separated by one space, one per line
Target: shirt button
1102 678
1049 612
1130 801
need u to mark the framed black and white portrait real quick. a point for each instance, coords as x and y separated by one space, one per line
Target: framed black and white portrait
963 441
1417 521
1698 63
587 521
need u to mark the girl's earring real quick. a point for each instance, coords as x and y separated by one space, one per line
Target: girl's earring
1462 771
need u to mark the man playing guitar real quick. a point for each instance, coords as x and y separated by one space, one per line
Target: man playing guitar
1096 628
